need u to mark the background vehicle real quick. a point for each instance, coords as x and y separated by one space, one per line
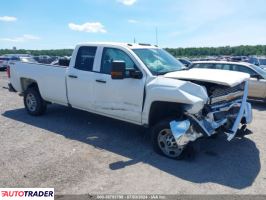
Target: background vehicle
253 60
63 61
20 57
45 59
262 62
185 62
257 82
140 84
3 62
27 59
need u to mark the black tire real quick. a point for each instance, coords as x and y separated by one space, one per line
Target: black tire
39 107
156 130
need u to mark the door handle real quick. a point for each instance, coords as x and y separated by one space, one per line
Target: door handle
72 76
100 81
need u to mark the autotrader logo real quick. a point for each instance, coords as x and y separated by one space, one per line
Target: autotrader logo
27 193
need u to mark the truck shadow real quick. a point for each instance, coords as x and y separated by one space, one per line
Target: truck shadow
234 164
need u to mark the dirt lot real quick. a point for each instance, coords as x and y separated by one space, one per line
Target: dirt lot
77 152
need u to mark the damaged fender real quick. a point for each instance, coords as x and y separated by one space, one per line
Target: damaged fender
184 132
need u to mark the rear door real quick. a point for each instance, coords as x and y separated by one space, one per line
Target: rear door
121 99
80 78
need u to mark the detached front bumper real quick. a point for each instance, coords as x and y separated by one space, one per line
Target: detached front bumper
227 115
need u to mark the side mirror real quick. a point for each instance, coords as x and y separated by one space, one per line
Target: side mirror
136 74
118 69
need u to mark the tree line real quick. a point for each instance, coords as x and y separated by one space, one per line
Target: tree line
243 50
50 52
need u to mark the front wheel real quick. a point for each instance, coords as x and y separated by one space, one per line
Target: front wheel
164 142
33 102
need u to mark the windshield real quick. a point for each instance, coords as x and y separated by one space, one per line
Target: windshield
262 72
158 61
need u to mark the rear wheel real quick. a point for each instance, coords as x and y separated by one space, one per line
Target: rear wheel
33 102
164 142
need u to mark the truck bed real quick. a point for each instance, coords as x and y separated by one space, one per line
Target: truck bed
50 79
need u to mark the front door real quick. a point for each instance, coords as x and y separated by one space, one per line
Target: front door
121 99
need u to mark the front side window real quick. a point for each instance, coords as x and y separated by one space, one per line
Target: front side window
85 58
244 69
111 54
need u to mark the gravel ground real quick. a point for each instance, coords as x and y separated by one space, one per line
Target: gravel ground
77 152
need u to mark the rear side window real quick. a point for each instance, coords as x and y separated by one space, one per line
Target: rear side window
85 58
222 66
203 65
218 66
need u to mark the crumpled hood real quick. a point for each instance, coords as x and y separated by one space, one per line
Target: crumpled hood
223 77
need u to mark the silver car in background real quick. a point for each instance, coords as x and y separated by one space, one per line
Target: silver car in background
257 82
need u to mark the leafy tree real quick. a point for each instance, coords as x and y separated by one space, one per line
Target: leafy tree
243 50
51 52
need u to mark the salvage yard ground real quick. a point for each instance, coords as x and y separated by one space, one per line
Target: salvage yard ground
77 152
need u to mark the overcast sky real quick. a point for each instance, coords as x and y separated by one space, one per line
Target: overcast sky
45 24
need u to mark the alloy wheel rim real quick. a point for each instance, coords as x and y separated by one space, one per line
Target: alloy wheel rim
31 102
167 143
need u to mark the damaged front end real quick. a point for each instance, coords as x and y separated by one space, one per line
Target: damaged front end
225 110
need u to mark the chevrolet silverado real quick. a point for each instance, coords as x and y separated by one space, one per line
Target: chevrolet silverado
140 84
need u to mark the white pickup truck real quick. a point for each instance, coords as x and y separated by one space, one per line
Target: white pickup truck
140 84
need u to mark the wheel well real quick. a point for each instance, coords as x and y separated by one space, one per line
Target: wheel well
27 83
162 110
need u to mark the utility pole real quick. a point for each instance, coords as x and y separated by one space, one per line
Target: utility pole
156 35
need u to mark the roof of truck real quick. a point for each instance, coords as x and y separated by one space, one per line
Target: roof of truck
118 44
